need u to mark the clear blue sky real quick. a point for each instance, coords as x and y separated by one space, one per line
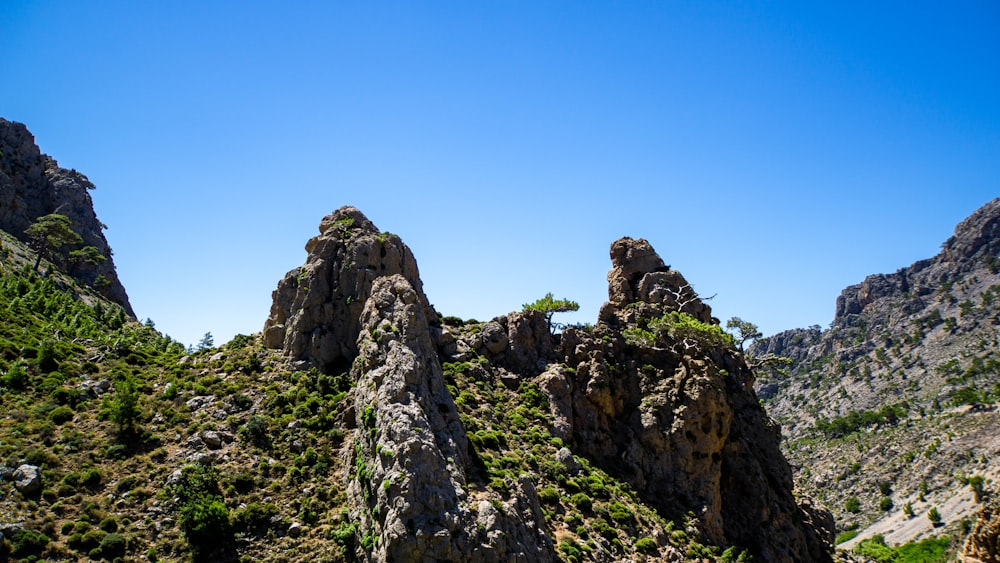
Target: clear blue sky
773 152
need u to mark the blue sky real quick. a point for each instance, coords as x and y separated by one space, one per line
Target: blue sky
773 152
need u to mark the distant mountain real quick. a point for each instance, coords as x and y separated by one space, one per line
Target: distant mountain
33 185
895 403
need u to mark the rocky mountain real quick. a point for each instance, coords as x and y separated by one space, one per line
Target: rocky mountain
672 414
362 425
408 437
33 185
891 411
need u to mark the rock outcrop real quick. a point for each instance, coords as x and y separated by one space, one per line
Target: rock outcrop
673 415
678 418
983 543
412 459
33 185
316 309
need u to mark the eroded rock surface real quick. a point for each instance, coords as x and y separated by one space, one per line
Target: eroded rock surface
316 309
411 459
983 544
32 185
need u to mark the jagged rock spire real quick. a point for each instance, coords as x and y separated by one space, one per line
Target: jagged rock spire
316 309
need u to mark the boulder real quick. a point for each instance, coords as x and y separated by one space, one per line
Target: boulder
27 479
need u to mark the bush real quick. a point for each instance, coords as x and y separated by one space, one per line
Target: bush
15 378
549 495
204 518
885 504
846 536
123 406
582 501
646 545
853 505
255 431
61 415
113 545
28 542
254 516
934 516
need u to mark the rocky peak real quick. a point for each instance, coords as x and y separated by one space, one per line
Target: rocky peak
639 277
976 236
33 185
682 426
975 245
316 309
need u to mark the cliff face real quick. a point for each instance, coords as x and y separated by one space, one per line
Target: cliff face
983 543
674 416
316 309
678 418
32 185
910 368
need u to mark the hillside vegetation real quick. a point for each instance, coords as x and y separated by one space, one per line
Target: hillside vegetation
891 414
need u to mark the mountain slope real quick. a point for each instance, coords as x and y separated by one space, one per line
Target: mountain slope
894 405
33 185
361 425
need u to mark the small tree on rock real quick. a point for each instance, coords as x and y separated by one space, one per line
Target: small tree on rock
49 234
548 305
742 331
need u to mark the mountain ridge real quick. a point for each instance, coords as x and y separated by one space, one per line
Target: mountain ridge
908 370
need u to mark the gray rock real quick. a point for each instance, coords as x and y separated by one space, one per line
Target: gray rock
32 185
404 407
212 439
316 309
27 479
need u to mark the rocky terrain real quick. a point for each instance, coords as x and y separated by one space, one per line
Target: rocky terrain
33 185
361 424
891 412
673 417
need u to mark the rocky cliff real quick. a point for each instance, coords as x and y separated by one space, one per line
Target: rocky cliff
671 413
900 389
33 185
983 543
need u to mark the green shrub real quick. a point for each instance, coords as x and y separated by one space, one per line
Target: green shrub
254 516
571 550
933 515
549 495
204 518
885 504
256 431
846 536
582 501
112 546
646 545
15 378
26 542
853 505
61 415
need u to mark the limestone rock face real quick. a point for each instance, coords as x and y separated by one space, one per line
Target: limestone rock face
411 461
316 309
680 423
983 544
32 185
640 278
